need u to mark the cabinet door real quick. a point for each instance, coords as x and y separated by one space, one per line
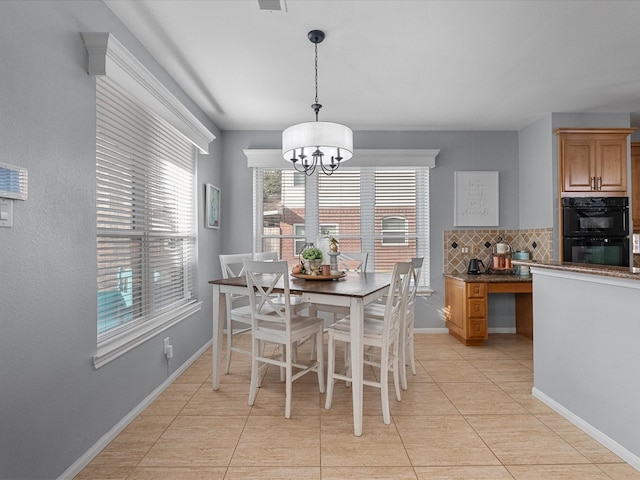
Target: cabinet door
611 165
455 302
578 164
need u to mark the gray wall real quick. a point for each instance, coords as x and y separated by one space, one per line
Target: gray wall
53 404
586 357
458 151
538 195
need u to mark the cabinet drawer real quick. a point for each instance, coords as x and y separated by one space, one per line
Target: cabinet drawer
477 328
476 308
476 290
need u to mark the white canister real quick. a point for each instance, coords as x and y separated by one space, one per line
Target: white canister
502 248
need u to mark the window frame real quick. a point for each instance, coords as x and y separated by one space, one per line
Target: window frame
389 158
107 57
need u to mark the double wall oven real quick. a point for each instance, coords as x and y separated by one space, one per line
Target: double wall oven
596 230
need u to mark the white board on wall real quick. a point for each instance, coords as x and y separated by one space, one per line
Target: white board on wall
476 199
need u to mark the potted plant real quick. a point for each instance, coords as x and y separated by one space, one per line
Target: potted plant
312 260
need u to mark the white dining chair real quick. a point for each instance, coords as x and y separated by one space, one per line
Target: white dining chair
408 351
353 261
376 311
276 323
348 262
266 256
238 308
380 334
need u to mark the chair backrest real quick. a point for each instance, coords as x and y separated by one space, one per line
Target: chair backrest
232 265
353 261
262 278
416 264
395 308
266 256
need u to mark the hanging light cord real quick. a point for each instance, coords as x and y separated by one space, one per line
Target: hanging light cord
316 106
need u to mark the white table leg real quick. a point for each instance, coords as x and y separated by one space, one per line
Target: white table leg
219 313
357 354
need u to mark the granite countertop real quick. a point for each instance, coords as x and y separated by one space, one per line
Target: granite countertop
593 269
489 277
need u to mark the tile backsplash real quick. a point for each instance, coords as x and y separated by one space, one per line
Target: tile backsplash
479 244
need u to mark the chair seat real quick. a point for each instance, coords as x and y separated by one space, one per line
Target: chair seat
372 326
298 323
374 310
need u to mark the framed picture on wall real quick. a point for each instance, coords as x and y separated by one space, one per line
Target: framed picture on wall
476 199
212 201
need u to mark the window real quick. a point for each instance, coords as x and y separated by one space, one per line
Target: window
146 143
383 211
395 231
145 215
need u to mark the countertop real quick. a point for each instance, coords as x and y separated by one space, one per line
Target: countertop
489 277
593 269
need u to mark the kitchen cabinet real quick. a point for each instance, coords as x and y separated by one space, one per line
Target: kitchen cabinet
466 304
593 161
466 310
635 185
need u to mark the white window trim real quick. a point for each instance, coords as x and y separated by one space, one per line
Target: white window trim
120 344
108 57
401 157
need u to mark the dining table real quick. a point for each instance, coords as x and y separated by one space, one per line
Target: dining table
355 290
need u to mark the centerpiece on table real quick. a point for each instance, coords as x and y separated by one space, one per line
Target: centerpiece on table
312 261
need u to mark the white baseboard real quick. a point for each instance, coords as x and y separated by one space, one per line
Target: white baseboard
502 330
90 454
431 330
589 429
446 330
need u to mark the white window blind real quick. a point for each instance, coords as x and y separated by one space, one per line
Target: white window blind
146 237
383 211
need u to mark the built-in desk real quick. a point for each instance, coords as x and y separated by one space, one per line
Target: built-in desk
466 304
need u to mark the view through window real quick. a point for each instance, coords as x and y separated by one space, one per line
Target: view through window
382 211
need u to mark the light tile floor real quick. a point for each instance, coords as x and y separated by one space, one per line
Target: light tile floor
467 414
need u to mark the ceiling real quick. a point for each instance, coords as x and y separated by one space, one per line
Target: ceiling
395 64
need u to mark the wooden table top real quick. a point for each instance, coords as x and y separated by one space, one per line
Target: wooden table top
352 285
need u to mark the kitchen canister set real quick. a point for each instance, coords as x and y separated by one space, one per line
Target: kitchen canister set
522 255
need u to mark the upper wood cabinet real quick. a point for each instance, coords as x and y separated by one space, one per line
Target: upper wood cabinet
593 161
635 185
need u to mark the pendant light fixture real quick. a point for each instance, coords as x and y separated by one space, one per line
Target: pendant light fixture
310 144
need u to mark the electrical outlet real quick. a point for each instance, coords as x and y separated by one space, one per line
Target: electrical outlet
465 249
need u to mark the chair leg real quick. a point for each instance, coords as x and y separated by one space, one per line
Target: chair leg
320 362
229 344
289 374
255 370
412 355
403 359
283 372
395 366
331 352
384 385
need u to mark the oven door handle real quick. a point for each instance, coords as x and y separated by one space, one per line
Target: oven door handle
593 183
